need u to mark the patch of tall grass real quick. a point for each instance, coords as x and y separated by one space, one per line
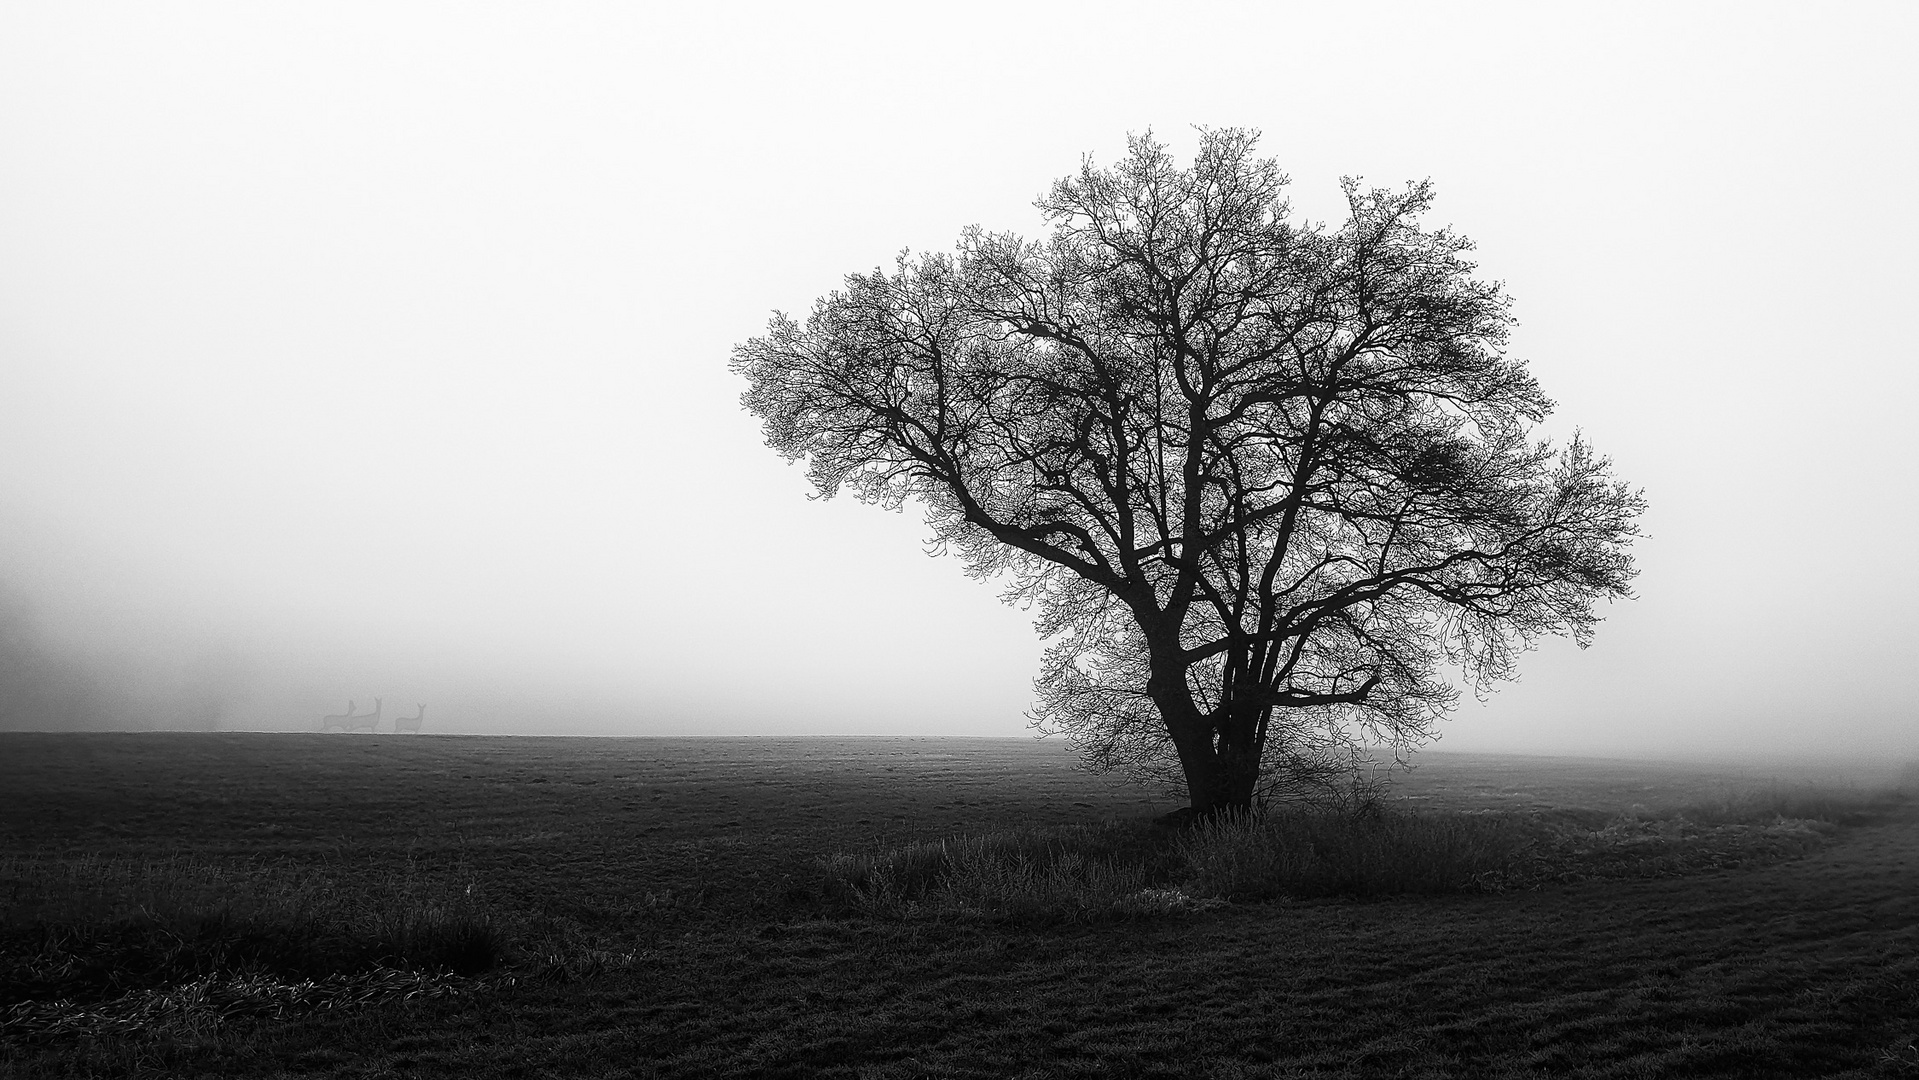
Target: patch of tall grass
1123 869
1083 873
1307 853
1023 875
1796 802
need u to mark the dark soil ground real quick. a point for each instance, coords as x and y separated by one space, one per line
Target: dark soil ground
657 910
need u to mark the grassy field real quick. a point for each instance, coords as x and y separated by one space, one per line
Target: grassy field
273 905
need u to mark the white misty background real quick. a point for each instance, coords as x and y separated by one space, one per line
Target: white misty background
381 349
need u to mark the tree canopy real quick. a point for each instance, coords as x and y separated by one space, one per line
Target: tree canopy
1270 486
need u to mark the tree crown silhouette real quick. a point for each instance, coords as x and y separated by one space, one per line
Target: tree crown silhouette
1266 484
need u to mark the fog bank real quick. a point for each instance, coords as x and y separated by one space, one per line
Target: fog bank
380 350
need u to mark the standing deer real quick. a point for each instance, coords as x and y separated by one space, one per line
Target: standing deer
409 723
369 721
338 719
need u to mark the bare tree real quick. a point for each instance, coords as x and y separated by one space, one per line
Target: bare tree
1268 485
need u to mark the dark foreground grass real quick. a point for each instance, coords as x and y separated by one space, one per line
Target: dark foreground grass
93 946
472 927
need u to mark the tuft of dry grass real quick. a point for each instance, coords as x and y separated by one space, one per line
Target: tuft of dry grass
1026 875
195 1007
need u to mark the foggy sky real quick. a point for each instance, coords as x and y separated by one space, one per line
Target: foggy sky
359 350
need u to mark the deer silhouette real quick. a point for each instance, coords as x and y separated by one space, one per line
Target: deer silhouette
409 723
368 721
338 719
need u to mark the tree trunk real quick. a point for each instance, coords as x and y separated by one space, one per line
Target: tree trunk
1221 772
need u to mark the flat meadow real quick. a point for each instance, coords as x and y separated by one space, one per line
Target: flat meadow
357 905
